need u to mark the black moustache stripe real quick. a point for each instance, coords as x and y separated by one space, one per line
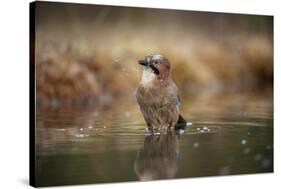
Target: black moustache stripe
155 70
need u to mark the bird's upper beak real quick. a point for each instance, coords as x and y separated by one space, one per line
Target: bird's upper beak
146 63
143 62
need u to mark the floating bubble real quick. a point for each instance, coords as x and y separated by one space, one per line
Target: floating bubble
181 131
196 144
80 135
243 141
157 133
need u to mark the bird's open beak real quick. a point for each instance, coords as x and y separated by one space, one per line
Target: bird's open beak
143 62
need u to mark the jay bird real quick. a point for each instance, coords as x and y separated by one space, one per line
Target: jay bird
157 94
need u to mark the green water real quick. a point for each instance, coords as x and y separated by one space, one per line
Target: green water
108 143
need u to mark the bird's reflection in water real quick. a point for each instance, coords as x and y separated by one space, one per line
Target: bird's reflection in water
158 157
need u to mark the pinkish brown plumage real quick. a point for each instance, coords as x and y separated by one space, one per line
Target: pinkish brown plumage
157 94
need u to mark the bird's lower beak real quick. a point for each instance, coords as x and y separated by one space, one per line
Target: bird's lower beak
143 62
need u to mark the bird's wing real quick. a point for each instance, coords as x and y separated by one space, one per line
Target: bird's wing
178 102
174 95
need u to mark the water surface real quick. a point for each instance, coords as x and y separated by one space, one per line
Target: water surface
231 134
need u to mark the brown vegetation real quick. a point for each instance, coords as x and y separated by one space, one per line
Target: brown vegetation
82 58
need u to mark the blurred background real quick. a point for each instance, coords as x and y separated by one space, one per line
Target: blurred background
88 54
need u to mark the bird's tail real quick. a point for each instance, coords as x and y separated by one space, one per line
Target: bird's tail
181 123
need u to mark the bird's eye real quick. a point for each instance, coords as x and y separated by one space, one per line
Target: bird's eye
156 62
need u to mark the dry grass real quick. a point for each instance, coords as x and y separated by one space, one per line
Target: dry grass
81 63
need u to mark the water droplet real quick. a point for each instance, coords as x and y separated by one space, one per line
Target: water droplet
196 144
90 127
258 157
148 134
181 131
268 147
157 133
243 141
247 151
205 128
79 135
266 163
198 129
81 129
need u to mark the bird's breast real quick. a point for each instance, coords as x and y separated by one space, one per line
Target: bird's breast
150 97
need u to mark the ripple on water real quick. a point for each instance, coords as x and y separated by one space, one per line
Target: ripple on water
223 139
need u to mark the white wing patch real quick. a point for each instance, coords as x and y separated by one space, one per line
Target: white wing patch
178 103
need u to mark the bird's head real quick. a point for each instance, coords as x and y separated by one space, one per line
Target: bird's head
156 67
